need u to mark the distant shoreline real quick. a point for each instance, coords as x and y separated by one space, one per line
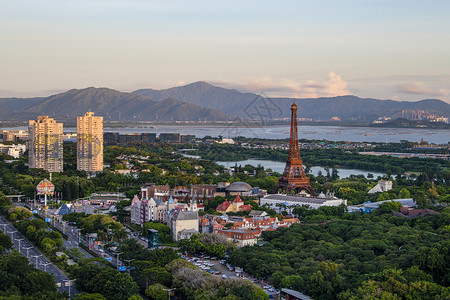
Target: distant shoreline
147 124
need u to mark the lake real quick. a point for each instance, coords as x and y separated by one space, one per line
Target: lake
279 167
331 133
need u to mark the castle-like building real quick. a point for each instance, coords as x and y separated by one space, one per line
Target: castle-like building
182 218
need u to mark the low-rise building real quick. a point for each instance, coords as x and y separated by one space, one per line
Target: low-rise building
239 188
258 215
280 202
236 205
241 237
382 186
13 150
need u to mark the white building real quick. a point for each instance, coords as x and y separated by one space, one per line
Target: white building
280 202
382 186
13 150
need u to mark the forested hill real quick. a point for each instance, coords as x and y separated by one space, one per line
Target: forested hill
111 104
348 107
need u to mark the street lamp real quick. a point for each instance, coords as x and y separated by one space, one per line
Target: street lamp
170 291
12 233
128 263
45 266
36 256
4 226
28 248
69 284
117 261
20 240
79 235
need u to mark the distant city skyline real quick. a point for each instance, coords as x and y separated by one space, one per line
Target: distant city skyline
379 49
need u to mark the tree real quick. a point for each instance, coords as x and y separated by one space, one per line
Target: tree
5 242
23 279
387 207
294 282
404 193
157 292
87 296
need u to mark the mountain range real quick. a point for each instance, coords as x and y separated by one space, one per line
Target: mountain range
348 107
201 101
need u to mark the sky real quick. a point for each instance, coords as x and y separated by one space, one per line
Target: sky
381 49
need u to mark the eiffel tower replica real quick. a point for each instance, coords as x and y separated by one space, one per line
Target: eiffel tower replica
294 178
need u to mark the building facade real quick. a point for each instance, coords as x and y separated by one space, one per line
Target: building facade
183 224
90 143
280 202
45 144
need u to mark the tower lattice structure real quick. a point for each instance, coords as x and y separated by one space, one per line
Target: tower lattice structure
294 178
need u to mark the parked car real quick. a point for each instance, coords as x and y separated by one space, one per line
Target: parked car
224 276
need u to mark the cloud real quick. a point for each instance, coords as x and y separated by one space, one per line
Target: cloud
285 87
416 88
420 88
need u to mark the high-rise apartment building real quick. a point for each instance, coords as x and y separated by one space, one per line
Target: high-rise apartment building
45 138
90 143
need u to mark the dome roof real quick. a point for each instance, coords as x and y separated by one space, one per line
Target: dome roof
239 186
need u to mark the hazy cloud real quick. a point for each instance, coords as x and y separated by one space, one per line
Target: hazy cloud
285 87
420 88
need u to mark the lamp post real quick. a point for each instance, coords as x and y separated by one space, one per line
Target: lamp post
36 256
28 248
69 284
20 240
12 233
45 266
170 290
79 235
128 263
117 261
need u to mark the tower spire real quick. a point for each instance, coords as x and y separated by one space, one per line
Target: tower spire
294 177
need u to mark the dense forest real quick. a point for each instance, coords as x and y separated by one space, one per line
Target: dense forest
353 256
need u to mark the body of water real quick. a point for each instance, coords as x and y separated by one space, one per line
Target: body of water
331 133
279 167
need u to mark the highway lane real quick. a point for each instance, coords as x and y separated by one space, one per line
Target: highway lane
35 256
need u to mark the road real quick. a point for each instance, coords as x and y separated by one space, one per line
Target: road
36 257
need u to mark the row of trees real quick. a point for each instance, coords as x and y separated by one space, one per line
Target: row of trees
105 226
19 279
